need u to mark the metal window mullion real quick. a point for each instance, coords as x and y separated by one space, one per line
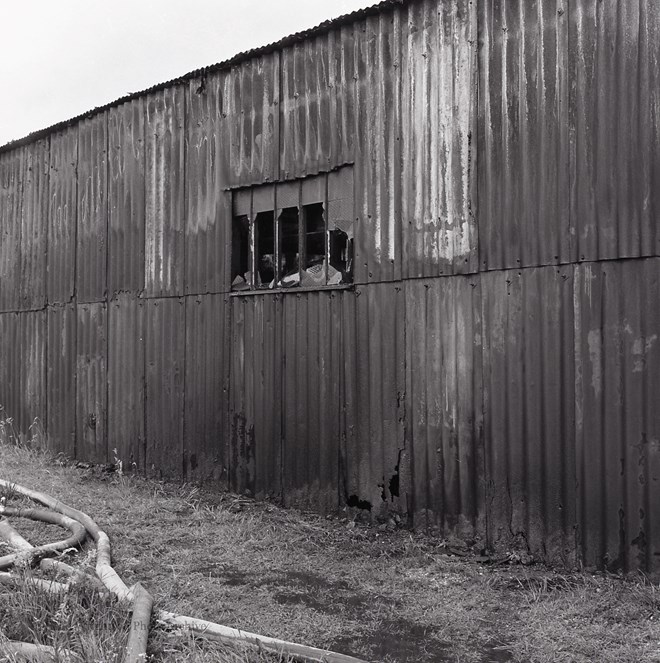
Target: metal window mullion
302 235
277 239
326 221
252 239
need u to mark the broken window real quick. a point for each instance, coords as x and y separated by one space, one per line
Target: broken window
264 224
240 253
298 233
314 245
340 225
289 247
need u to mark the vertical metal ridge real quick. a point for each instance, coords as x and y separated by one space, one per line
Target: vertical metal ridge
91 234
91 382
62 212
126 198
617 357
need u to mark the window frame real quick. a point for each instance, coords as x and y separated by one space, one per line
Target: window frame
275 198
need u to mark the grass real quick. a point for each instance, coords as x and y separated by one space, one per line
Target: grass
390 596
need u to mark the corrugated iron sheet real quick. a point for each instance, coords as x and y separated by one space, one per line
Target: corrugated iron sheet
318 104
615 125
92 226
374 454
205 454
529 384
617 355
126 197
250 109
444 401
523 134
437 93
126 381
255 395
62 216
34 229
165 375
311 388
11 203
377 49
165 163
10 366
23 370
61 378
208 207
91 383
31 417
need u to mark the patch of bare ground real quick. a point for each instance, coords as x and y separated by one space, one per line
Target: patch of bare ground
390 596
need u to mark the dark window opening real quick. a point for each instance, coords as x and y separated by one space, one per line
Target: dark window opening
303 234
341 249
265 249
240 253
314 245
289 247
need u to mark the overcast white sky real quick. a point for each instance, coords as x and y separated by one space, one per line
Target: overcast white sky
60 58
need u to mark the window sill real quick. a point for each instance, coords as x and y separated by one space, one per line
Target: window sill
290 291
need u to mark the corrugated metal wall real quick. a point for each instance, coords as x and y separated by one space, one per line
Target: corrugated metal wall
617 415
62 216
528 364
444 396
126 198
493 371
615 128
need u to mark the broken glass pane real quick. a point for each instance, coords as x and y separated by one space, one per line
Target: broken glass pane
289 247
314 234
265 245
240 252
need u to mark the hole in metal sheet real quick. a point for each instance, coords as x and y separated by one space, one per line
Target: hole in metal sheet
355 501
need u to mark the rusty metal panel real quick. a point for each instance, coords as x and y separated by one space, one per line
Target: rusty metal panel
617 355
378 48
23 370
374 457
32 372
445 405
615 128
250 111
165 163
437 95
10 366
91 383
206 399
529 404
208 213
62 214
318 104
61 379
92 227
164 357
12 170
311 387
255 395
34 228
523 134
126 197
6 378
126 382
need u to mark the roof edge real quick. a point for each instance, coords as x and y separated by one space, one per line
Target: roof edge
297 37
